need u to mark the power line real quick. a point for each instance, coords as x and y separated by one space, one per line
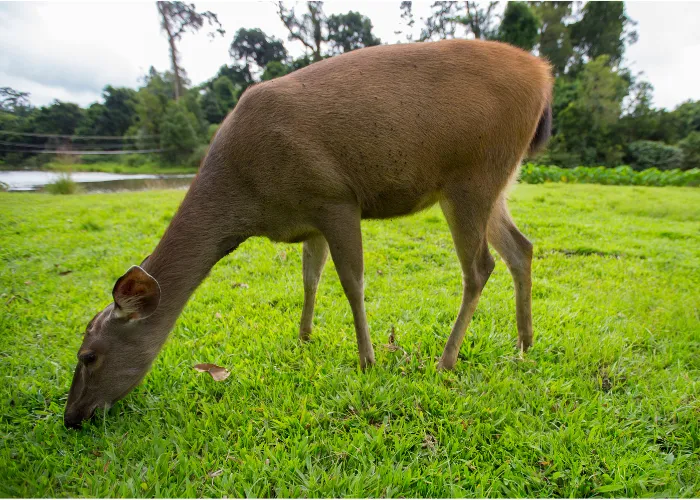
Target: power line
43 151
78 137
103 146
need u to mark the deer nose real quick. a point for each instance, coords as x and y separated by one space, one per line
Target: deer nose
72 420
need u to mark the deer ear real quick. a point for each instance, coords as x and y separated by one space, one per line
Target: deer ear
136 294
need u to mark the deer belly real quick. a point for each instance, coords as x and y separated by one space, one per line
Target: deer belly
395 203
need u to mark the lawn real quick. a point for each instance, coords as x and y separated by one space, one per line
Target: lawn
604 404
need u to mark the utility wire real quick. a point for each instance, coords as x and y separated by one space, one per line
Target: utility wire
77 137
43 151
41 146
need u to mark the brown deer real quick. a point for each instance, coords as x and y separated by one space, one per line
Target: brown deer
376 133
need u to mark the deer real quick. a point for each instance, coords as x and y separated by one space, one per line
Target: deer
376 133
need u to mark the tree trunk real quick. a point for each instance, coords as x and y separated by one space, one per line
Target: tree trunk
173 52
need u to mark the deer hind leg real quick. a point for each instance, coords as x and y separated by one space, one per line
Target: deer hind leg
516 251
314 258
468 220
341 228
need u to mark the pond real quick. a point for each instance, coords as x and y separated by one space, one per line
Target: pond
34 180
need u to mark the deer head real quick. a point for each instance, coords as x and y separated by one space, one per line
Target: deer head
119 346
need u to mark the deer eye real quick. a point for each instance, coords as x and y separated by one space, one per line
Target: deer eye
87 357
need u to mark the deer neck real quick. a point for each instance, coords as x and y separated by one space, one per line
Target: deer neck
195 240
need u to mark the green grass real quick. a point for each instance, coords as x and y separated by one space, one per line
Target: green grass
604 404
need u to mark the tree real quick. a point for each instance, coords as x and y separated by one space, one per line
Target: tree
150 102
60 118
178 136
479 20
254 46
350 31
315 30
690 146
13 101
274 69
442 22
176 19
519 26
555 40
308 29
225 94
586 123
212 110
449 16
602 31
407 17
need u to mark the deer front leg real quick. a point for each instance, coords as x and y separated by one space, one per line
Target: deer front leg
314 258
341 228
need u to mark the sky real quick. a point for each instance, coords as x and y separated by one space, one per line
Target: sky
70 51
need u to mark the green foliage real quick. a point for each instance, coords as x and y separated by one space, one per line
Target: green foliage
211 131
254 46
225 94
600 32
519 26
211 109
197 156
57 118
588 113
555 37
178 133
274 69
690 146
349 31
605 403
620 176
648 154
63 185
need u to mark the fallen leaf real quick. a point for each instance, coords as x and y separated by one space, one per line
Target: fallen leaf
218 373
282 255
217 315
240 285
216 473
380 272
104 469
429 442
63 273
392 345
28 282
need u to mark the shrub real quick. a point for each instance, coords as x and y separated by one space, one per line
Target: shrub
134 160
63 185
650 154
690 146
620 176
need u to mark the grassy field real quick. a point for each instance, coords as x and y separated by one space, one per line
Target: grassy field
604 404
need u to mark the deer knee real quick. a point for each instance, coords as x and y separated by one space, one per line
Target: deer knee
479 273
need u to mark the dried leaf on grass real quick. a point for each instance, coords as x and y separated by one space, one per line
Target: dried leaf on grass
218 373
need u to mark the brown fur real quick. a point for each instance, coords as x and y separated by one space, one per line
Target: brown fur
375 133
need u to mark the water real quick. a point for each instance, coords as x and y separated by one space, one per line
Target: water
32 180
